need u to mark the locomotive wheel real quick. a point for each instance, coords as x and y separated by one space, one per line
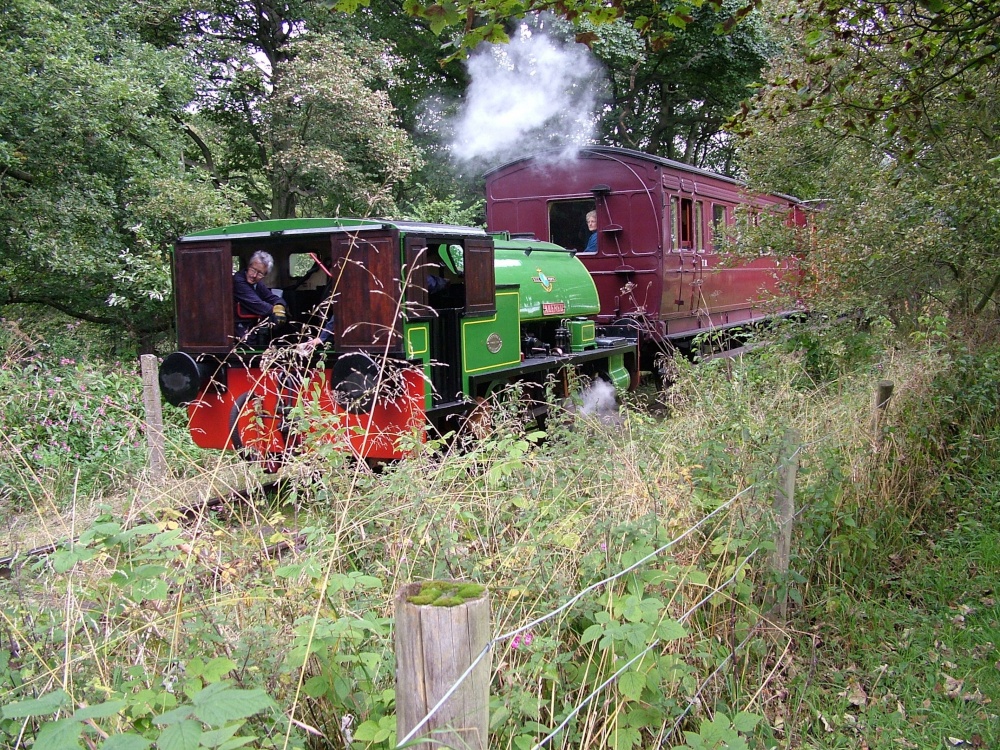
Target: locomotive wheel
478 423
255 433
356 378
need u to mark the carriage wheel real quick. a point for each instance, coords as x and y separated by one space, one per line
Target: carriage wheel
256 432
478 423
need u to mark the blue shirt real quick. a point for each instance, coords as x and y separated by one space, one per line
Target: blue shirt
591 244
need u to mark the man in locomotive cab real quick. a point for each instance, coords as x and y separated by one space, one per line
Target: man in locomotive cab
445 285
252 299
437 275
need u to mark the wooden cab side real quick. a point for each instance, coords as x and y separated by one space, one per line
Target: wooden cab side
203 275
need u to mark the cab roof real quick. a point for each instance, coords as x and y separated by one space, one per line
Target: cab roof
291 227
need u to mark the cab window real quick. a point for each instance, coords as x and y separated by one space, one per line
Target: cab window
453 257
301 265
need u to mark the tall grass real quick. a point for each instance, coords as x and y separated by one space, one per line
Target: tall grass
71 431
285 606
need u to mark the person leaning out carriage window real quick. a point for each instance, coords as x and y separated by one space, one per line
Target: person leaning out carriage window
592 228
252 299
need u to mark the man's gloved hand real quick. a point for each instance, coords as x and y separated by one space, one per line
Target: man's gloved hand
278 311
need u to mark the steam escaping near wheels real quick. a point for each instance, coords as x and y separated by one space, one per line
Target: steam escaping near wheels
597 401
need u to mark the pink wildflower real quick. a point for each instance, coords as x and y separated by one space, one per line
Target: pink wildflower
522 639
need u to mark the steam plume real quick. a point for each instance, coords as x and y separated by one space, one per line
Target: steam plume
599 402
530 94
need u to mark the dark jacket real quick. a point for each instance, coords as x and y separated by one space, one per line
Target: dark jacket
252 302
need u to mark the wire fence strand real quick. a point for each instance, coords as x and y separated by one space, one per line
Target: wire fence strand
566 605
640 655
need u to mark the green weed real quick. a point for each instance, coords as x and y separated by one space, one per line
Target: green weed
113 639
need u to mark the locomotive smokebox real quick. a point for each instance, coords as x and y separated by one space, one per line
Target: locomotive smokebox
182 378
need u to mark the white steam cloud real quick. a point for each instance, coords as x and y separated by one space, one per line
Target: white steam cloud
532 93
599 401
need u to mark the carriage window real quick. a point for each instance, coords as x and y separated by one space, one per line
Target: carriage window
720 219
668 227
568 223
699 227
675 223
685 224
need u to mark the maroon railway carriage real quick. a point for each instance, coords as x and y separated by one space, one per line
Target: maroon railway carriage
656 265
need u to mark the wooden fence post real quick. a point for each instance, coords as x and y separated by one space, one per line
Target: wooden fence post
154 417
784 511
434 646
883 395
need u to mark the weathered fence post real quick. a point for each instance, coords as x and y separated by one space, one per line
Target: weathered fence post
882 396
784 512
154 417
435 644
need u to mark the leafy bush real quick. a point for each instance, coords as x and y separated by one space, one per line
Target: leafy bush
72 427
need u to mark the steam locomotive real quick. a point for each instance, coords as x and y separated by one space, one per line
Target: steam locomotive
424 322
656 260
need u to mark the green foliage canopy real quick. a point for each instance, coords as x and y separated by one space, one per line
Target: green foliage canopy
673 99
887 113
90 177
123 129
471 22
290 107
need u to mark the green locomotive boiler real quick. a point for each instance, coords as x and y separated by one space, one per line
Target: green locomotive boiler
390 329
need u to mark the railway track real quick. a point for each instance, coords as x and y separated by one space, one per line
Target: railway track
190 512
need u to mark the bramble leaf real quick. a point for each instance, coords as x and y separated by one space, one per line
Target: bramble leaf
43 706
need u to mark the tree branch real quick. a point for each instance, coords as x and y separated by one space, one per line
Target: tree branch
987 295
15 299
17 174
206 152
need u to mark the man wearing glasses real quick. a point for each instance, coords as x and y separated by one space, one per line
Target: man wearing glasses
252 299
